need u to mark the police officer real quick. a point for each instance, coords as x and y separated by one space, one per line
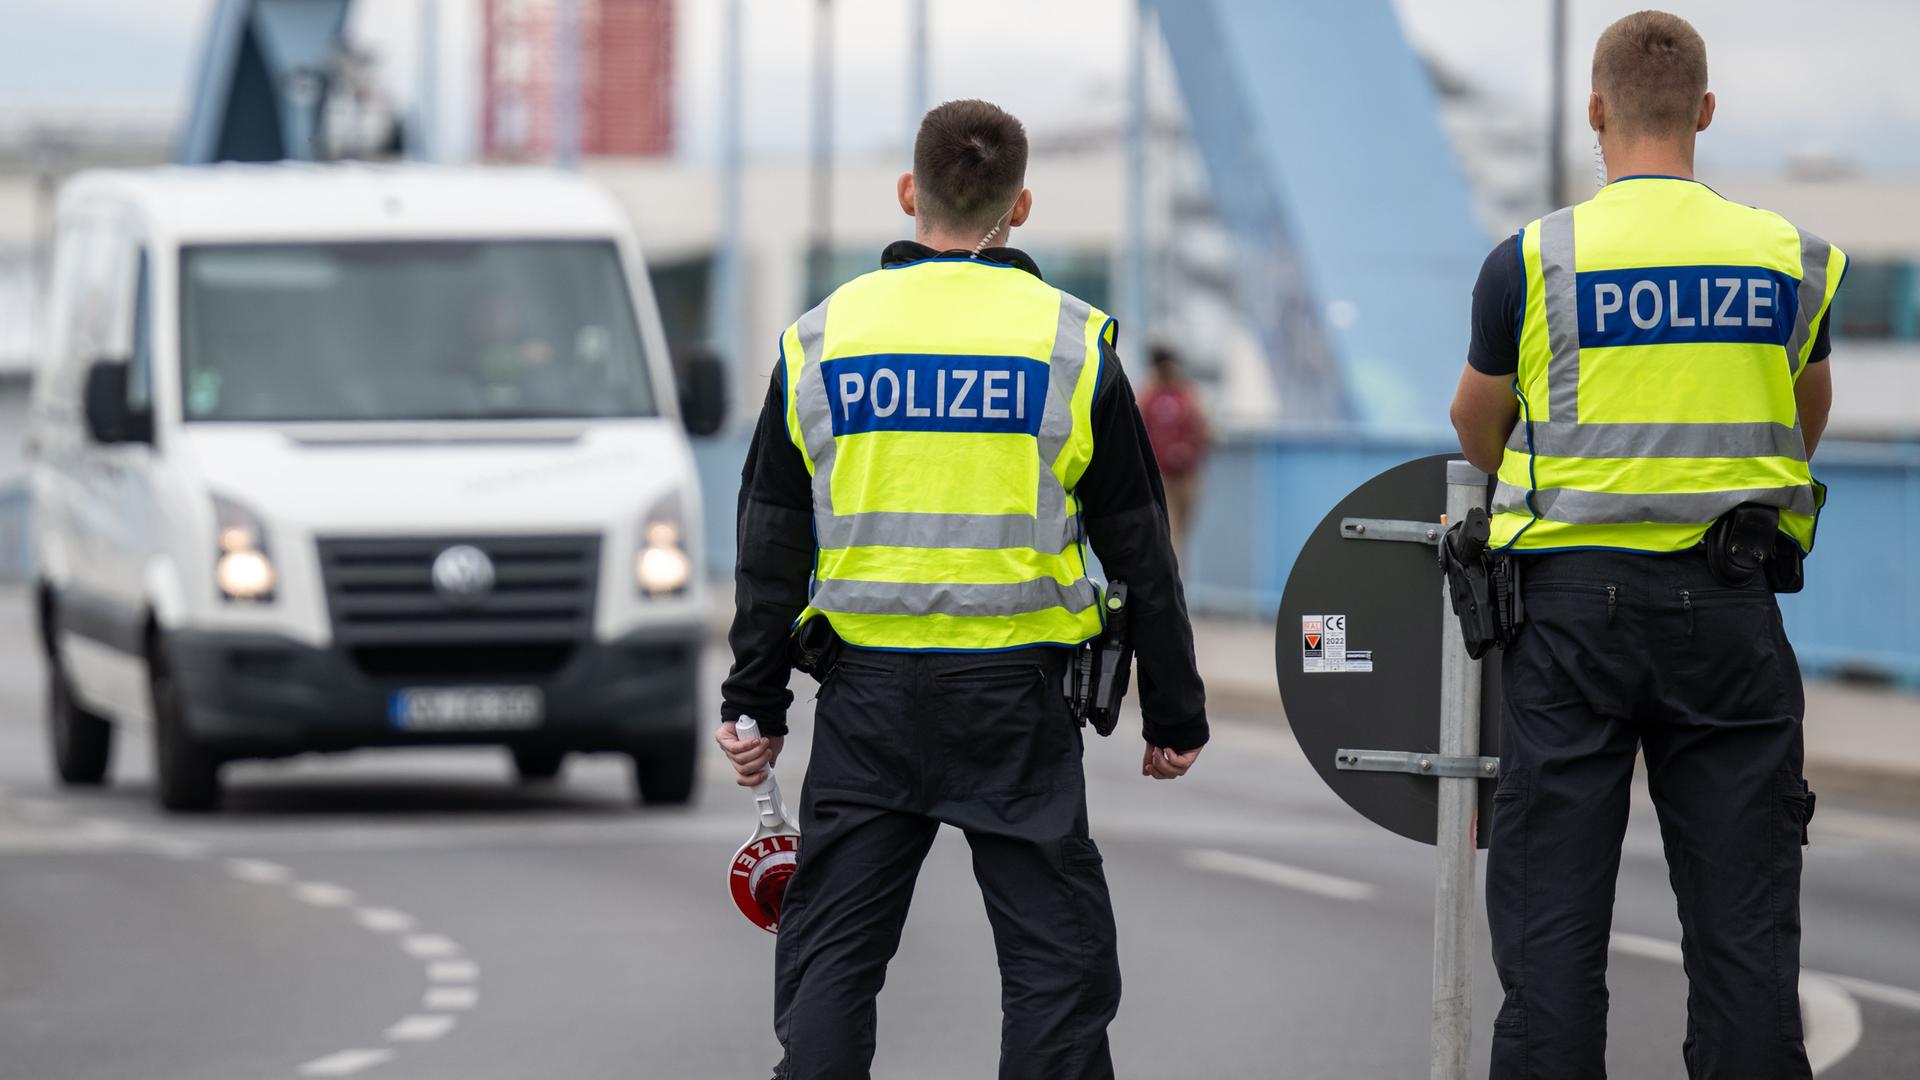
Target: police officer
1648 370
940 436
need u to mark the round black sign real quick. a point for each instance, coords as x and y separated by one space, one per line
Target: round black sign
1358 650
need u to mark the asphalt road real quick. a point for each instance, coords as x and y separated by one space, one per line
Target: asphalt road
416 915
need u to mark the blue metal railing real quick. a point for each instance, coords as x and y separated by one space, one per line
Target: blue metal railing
1265 492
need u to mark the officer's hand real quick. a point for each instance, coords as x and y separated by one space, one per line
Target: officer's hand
1164 764
751 757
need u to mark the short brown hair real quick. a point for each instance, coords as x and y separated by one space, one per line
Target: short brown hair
1651 70
969 163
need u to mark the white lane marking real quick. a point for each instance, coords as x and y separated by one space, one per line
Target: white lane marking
259 871
452 971
1897 996
1649 948
1832 1021
100 830
384 920
428 946
451 997
1832 1017
1273 873
174 847
346 1062
322 894
422 1027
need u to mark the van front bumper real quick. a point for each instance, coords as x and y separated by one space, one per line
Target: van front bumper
263 695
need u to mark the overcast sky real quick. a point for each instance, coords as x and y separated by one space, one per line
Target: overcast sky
1792 76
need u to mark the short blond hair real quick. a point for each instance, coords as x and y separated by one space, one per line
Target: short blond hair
1651 70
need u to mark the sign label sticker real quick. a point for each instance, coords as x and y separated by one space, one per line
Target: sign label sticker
1323 646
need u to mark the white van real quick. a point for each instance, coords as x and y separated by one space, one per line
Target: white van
345 456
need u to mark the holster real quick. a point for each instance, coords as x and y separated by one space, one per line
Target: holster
1484 588
1746 542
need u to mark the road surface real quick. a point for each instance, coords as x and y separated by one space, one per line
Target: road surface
414 914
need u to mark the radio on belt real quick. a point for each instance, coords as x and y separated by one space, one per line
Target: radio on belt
1097 679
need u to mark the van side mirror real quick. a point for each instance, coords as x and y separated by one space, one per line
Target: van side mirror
703 392
109 420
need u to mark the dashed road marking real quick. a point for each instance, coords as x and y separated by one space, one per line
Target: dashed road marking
259 871
450 997
453 971
422 1027
1274 873
450 976
174 847
322 894
384 920
428 946
346 1062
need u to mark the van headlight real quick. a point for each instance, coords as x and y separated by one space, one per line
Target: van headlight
662 567
242 568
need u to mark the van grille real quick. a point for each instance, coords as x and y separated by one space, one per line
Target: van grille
381 591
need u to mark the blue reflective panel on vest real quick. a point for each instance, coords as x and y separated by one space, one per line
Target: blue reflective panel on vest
1661 305
925 392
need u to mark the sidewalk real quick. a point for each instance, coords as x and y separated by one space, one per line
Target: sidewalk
1861 739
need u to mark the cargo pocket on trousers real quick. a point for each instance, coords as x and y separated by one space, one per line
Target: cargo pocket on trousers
1797 802
1793 811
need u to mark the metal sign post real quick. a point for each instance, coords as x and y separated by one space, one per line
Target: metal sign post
1414 690
1453 880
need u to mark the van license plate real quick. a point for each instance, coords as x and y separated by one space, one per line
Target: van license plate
467 708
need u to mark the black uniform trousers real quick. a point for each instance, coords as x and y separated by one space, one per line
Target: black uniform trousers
1623 651
906 742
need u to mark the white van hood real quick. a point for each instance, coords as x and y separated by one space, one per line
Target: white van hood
372 479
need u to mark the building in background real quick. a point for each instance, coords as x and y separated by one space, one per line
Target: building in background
625 73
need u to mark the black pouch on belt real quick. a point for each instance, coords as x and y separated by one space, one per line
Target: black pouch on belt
814 646
1742 543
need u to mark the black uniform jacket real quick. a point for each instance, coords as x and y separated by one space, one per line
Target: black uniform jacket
1123 507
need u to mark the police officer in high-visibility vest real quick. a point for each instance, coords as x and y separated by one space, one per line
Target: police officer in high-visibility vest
1648 376
941 437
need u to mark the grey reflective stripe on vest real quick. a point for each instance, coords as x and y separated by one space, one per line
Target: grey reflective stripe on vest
1560 295
1049 530
1574 506
815 413
855 597
1758 439
1814 254
1064 365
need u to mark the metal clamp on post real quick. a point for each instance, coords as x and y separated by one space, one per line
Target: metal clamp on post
1420 764
1411 532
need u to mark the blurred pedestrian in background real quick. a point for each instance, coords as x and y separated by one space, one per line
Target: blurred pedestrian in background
1177 427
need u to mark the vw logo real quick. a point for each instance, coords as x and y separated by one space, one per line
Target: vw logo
462 575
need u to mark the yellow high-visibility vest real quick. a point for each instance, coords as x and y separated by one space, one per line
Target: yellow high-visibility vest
1663 331
944 411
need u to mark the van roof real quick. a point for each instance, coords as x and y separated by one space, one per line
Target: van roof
350 200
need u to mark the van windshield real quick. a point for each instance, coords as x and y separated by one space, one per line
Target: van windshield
409 331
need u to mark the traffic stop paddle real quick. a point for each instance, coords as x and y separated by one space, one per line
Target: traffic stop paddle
757 877
1388 707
